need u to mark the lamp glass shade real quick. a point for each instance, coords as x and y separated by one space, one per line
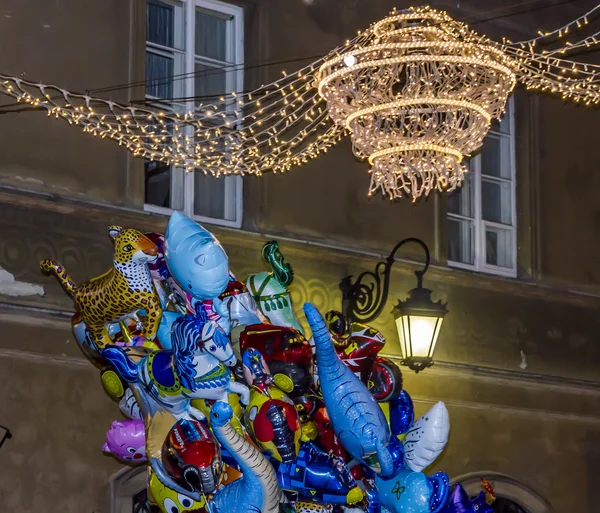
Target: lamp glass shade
418 335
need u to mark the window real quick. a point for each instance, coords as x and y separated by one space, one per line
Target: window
482 214
194 52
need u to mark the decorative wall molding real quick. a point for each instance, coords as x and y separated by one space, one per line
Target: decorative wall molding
86 211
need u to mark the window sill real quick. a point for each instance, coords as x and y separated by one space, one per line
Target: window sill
210 220
492 272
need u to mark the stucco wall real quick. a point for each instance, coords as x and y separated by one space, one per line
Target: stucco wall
539 424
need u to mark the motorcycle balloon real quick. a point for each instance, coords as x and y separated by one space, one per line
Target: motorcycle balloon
402 414
386 380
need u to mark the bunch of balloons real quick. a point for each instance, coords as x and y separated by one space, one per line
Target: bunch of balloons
231 407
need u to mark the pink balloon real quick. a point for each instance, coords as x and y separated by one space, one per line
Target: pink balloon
126 441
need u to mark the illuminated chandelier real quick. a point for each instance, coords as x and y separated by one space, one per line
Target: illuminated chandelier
417 92
417 99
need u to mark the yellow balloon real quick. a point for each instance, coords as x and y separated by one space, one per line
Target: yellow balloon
167 500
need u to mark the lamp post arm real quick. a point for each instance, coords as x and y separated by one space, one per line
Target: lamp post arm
365 299
7 435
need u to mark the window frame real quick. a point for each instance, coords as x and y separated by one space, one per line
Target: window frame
479 246
233 191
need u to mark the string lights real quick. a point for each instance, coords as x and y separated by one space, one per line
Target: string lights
416 92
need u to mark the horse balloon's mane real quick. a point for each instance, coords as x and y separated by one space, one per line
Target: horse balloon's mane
282 271
186 336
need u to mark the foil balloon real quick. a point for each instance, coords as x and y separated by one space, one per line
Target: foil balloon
257 490
233 400
460 502
317 475
122 291
198 367
358 346
126 441
396 449
129 406
273 419
426 440
287 353
402 413
241 308
158 268
412 492
192 457
170 501
356 418
328 440
310 507
270 289
195 258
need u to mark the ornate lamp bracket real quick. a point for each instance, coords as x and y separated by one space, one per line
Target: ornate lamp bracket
364 299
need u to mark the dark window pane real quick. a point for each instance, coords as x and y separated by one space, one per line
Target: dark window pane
158 184
495 157
498 247
210 83
496 204
461 241
460 201
211 35
209 196
159 23
159 75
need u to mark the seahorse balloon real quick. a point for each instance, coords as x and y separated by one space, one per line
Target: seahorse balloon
270 290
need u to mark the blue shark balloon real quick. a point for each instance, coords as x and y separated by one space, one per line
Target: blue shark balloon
195 258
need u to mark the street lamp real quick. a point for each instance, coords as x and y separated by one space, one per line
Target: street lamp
418 318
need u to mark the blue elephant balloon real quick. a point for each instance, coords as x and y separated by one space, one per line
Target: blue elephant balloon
402 414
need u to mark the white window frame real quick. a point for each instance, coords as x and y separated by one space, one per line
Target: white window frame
480 264
233 184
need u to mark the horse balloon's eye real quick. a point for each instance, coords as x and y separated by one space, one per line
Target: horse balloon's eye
212 348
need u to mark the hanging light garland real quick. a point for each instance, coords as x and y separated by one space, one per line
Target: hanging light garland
416 92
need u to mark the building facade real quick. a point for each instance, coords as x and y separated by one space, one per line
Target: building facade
515 252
